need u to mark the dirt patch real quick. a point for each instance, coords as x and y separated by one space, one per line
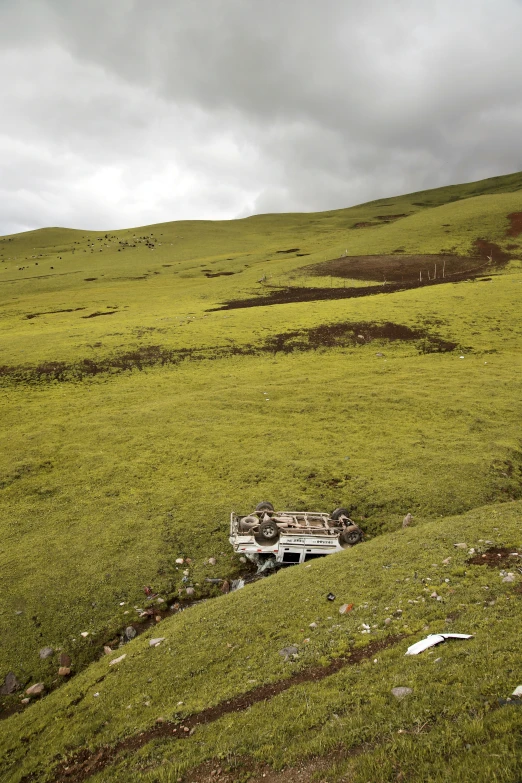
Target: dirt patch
515 224
89 279
344 334
86 763
97 315
498 557
29 316
412 268
219 274
364 224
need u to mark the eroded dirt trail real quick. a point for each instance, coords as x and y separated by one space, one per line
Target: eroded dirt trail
86 763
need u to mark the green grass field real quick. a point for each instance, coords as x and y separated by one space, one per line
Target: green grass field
136 419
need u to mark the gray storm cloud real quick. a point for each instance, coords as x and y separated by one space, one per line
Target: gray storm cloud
130 112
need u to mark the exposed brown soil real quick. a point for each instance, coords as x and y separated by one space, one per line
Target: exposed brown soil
515 227
219 274
97 315
329 335
86 762
498 557
291 250
412 268
29 316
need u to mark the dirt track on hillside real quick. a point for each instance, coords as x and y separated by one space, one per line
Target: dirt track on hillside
86 763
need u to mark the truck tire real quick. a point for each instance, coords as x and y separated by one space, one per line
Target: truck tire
351 535
340 512
247 523
264 506
268 532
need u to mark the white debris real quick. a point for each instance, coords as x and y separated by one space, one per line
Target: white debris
156 642
84 634
517 691
117 660
179 560
460 546
432 640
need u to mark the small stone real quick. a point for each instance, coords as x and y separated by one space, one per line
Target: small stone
10 685
179 560
161 719
313 625
117 660
225 587
434 595
388 621
64 671
190 591
401 692
379 354
286 652
107 650
509 578
437 660
212 561
160 600
408 519
158 618
186 572
518 691
130 632
122 603
84 634
64 659
156 642
447 561
25 701
36 689
460 546
45 652
471 551
242 559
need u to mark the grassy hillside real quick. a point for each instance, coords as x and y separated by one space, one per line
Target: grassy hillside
139 415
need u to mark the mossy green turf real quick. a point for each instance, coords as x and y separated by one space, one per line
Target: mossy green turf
105 482
452 724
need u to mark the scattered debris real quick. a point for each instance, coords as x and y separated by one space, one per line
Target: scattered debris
36 690
46 652
156 642
388 621
148 590
330 597
10 685
345 608
408 519
212 561
25 701
84 634
432 640
518 691
447 561
64 671
179 561
117 660
401 692
509 578
237 584
460 546
313 625
130 632
108 650
190 590
213 581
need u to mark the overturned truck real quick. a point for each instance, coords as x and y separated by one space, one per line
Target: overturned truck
275 538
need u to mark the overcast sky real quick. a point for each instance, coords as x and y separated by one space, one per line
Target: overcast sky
119 113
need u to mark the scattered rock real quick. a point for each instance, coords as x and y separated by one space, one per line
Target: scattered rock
25 701
437 660
160 600
107 650
36 689
130 632
401 692
10 685
158 618
212 561
190 591
313 625
509 578
179 560
225 587
237 584
161 719
117 660
45 652
64 659
460 546
286 652
242 559
156 642
64 671
434 595
408 519
447 561
518 691
380 355
84 634
388 621
397 613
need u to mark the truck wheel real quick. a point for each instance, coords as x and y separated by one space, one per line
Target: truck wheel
351 535
247 523
268 531
264 506
340 512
